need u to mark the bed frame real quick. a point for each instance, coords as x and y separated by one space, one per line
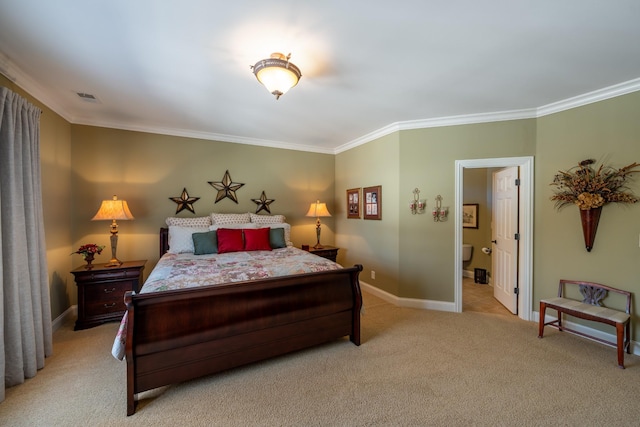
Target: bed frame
179 335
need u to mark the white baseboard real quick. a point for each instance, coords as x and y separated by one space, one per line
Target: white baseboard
408 302
58 321
449 306
635 347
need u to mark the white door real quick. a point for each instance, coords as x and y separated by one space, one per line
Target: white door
505 245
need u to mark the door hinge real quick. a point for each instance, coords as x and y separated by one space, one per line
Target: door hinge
517 236
516 291
517 182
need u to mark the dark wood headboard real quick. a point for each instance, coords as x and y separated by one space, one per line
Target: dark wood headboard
164 240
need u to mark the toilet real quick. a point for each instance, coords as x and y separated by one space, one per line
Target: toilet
467 250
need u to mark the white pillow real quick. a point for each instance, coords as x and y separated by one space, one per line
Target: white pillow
232 226
230 218
287 231
267 219
202 221
181 240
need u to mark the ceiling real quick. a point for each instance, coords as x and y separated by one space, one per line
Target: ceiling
182 68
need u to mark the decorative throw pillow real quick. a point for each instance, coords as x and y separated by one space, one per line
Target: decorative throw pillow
202 221
266 219
205 243
257 239
276 238
230 218
229 240
287 231
180 240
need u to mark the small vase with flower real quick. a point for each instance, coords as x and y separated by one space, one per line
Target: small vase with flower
88 252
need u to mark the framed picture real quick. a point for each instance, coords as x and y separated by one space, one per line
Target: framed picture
372 199
353 203
470 215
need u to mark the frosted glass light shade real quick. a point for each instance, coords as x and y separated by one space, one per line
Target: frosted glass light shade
277 74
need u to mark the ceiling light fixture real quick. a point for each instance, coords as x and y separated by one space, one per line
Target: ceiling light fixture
277 74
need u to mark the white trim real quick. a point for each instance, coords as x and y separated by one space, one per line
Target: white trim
58 321
590 97
407 302
635 347
525 274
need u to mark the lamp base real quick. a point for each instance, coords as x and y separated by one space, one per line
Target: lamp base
114 262
318 246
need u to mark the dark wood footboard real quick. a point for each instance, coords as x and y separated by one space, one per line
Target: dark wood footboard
175 336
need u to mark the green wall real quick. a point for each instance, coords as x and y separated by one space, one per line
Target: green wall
610 131
372 243
147 169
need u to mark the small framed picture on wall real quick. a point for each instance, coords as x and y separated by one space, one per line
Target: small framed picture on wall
353 203
372 199
470 215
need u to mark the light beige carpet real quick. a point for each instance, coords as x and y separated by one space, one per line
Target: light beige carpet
413 368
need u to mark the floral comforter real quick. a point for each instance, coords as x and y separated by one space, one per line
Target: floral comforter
181 271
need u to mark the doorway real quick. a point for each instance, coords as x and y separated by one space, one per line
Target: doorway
525 252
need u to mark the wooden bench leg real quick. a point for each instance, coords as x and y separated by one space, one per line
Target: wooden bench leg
543 309
620 327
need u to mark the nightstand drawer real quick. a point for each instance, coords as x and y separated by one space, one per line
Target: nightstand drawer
115 305
107 291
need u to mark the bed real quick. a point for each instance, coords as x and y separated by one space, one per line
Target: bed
177 335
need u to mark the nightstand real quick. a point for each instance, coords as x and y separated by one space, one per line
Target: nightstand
328 252
101 291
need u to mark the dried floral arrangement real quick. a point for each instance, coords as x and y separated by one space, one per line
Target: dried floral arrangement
589 186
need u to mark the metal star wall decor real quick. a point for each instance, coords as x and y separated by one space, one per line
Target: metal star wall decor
184 201
263 203
226 188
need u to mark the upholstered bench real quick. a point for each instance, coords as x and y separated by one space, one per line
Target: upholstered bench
591 308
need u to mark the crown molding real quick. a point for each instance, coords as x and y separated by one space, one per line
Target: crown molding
207 136
590 97
17 76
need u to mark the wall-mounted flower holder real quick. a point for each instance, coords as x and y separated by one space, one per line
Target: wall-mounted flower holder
439 212
590 219
417 205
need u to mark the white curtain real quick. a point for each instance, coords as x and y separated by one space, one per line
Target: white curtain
25 311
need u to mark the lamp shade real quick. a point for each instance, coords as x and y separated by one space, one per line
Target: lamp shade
318 210
277 74
113 209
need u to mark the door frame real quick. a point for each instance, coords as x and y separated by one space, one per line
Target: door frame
525 252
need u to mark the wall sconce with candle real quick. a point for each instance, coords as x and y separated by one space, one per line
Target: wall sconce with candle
417 205
438 212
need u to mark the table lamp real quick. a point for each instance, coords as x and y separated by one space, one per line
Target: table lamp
112 210
318 210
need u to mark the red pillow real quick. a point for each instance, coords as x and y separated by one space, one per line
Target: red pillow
256 239
229 240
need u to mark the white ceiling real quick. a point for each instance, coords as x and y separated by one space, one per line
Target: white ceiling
182 68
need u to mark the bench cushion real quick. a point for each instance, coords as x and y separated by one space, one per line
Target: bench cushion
592 310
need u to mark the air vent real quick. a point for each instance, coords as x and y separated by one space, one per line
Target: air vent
88 97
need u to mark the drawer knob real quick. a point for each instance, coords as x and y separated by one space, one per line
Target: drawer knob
113 304
108 291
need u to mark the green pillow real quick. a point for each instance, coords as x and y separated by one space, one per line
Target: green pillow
276 238
205 243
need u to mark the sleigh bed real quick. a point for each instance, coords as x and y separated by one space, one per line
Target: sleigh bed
176 335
